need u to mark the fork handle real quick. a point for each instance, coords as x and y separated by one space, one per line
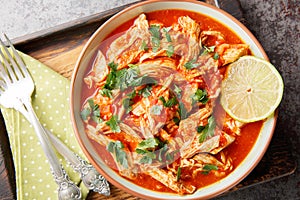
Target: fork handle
59 173
89 175
44 140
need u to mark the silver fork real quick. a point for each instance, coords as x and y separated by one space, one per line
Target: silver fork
89 175
17 87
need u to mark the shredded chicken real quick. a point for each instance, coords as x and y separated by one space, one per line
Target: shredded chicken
163 120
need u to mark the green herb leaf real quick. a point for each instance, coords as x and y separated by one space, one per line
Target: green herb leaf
127 104
176 120
128 101
208 50
208 130
178 174
212 125
111 79
182 111
166 30
148 158
106 92
156 44
113 123
148 143
200 129
200 96
171 102
116 148
126 78
177 91
216 56
208 167
170 51
113 66
96 116
144 46
162 152
156 109
92 110
133 66
155 31
146 91
85 113
146 148
191 64
170 156
155 39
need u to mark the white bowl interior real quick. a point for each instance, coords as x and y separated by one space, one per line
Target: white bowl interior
234 177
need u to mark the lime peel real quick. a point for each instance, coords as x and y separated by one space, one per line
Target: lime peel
251 90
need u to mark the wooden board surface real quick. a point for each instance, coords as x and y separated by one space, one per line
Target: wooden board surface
59 48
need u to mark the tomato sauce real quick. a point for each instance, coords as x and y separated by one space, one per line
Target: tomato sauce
237 151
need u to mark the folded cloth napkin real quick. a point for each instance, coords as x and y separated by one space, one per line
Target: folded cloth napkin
50 101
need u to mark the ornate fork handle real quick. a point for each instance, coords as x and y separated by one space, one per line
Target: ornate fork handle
89 175
67 189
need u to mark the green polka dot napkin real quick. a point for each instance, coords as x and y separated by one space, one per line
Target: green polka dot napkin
50 100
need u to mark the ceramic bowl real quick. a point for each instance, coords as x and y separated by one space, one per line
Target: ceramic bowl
86 55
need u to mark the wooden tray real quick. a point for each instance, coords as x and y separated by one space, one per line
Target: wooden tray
59 48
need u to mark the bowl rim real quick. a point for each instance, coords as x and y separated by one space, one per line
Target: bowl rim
83 53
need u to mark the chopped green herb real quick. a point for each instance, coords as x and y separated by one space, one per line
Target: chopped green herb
113 66
176 120
144 46
133 66
85 113
200 129
155 39
148 158
208 167
146 91
177 91
171 102
132 94
128 101
128 76
96 116
208 130
208 50
106 92
111 79
146 148
92 110
191 64
216 56
178 174
138 81
156 44
162 151
182 111
166 30
156 109
116 148
200 96
113 123
148 143
155 31
127 104
170 51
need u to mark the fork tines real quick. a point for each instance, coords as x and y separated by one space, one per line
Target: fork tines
12 61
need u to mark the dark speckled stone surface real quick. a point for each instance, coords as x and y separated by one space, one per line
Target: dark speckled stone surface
276 24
